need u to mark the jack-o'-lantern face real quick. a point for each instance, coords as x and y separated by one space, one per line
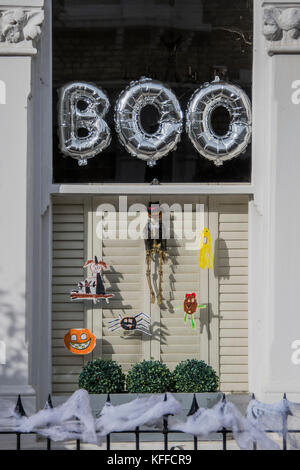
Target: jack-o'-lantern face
190 304
80 341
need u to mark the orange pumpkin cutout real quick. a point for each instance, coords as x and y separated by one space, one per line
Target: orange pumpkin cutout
80 341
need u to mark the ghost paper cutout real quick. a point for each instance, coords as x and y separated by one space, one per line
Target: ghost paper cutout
205 253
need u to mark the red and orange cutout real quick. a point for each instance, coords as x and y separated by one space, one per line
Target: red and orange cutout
80 341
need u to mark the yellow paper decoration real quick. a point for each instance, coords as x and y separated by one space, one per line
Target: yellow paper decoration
205 253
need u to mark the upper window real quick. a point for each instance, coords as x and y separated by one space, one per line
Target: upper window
182 44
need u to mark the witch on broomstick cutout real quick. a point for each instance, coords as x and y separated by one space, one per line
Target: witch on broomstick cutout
92 287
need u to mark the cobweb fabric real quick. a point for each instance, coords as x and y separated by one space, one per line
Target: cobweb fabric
279 417
225 415
59 423
7 409
71 420
139 412
8 417
74 420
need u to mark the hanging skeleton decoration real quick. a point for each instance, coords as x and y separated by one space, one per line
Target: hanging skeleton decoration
132 323
92 287
155 245
190 306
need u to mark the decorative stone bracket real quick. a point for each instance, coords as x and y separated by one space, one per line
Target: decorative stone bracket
19 29
281 28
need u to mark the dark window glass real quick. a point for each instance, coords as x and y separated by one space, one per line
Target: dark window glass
182 43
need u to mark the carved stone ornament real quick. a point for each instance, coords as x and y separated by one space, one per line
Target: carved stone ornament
18 28
281 23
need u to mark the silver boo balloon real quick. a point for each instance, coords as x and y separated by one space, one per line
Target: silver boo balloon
199 126
82 106
139 143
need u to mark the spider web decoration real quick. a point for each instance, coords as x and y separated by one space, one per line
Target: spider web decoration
225 415
279 416
139 412
139 322
74 420
71 420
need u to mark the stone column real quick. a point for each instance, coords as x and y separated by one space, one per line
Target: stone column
274 279
20 28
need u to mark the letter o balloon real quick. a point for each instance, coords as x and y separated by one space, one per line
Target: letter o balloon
139 143
200 109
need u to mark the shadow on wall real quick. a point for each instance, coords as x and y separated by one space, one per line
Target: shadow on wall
158 330
112 280
221 257
13 333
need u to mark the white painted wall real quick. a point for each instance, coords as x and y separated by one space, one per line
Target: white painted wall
20 175
39 219
274 319
13 223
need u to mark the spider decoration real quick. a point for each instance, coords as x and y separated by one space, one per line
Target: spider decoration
190 307
131 323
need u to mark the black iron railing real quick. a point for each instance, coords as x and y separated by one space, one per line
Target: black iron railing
165 431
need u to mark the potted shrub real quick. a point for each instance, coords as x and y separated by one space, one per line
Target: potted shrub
102 376
149 377
193 376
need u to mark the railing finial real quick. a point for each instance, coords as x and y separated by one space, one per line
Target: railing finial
194 406
19 409
49 403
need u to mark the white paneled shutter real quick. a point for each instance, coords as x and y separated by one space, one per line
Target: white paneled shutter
220 336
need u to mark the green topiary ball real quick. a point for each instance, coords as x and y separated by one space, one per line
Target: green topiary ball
193 376
102 376
149 377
